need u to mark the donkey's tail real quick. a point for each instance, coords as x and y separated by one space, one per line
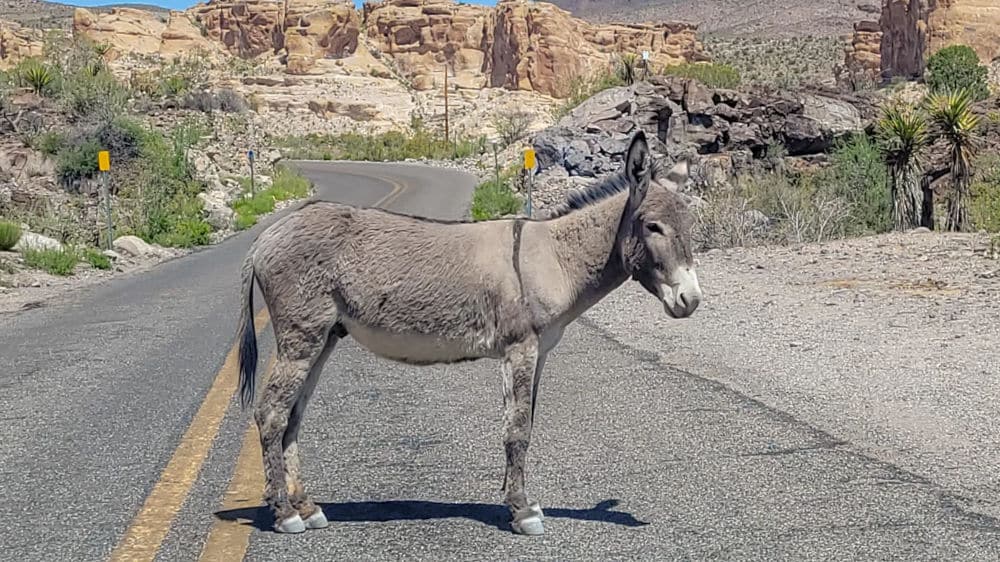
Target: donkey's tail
247 334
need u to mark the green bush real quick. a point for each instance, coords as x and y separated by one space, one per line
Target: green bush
858 175
50 143
10 233
96 259
77 161
286 184
984 205
388 146
713 75
492 199
99 96
57 262
956 67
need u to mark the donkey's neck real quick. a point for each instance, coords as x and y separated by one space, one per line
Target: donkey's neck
585 247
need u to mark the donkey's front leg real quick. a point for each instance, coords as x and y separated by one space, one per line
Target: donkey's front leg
519 375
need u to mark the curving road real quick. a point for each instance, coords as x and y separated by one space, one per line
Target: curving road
120 440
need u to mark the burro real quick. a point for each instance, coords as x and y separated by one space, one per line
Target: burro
430 292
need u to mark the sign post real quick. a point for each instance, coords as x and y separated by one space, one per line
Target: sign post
104 165
253 187
529 166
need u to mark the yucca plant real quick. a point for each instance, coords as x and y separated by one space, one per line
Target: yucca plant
38 77
627 65
951 117
903 135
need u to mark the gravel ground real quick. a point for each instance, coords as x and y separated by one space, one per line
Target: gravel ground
890 343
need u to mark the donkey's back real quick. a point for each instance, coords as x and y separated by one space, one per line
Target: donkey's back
415 290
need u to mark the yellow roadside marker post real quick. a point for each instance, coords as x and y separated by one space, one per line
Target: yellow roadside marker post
529 165
104 165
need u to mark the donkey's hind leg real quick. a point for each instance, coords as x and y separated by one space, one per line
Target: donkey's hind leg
300 345
311 514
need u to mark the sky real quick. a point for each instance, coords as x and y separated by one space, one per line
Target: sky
184 4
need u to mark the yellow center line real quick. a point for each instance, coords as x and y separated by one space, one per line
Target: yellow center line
229 539
145 534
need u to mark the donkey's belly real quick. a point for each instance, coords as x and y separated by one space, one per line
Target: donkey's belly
415 349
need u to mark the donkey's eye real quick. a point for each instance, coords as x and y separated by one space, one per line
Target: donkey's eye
654 227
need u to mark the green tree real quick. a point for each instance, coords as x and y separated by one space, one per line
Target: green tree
954 68
903 135
952 117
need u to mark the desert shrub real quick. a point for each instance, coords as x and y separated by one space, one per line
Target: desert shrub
858 175
10 234
626 67
57 262
726 220
100 96
984 205
76 161
225 100
582 88
954 68
713 75
157 191
387 146
121 137
286 184
182 75
96 259
492 199
512 125
772 207
50 142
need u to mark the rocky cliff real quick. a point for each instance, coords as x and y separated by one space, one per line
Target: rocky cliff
516 45
17 42
910 30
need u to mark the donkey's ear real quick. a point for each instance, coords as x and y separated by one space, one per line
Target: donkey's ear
677 176
638 168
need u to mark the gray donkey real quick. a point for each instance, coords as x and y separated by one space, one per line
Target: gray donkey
425 292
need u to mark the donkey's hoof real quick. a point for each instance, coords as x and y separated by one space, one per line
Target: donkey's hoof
293 524
317 520
537 509
531 526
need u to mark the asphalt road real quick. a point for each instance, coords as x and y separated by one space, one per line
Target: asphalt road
99 395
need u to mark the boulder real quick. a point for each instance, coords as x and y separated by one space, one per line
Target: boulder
135 247
36 241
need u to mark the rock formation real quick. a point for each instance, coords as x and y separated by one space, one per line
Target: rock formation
17 43
911 30
517 45
722 130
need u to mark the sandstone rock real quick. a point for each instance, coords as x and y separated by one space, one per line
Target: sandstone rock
135 247
18 43
127 30
517 45
908 31
36 241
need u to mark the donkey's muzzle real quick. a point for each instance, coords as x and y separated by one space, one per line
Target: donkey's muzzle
683 296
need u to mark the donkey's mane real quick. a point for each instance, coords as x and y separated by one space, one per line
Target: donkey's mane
609 186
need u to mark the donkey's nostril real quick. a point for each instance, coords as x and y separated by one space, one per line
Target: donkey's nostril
683 300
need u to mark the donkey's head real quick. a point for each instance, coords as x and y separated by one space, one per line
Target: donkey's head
656 231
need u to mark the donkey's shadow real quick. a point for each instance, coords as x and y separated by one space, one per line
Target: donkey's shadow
412 510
